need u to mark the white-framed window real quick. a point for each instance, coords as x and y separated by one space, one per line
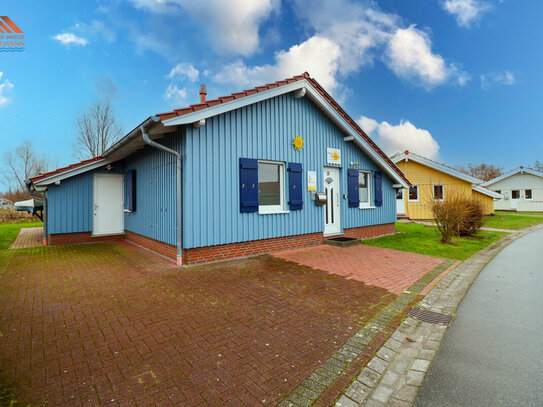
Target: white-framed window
271 187
413 195
364 188
439 192
528 194
515 194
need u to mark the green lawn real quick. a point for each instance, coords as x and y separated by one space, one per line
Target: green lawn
513 220
417 238
9 231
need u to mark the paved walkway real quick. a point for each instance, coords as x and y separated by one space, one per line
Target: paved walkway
492 355
395 374
390 269
113 324
28 237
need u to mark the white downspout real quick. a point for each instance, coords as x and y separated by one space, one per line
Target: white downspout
152 143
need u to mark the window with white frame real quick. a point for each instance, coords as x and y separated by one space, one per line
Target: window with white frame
439 192
413 193
515 194
364 188
271 187
527 194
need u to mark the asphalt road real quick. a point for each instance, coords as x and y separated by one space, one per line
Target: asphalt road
492 354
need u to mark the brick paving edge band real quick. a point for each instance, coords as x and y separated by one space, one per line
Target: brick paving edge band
395 374
317 382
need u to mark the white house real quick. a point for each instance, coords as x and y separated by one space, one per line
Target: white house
522 189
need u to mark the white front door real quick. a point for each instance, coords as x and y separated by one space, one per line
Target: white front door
400 202
108 203
332 208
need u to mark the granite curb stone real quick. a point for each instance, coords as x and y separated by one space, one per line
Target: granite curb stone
395 374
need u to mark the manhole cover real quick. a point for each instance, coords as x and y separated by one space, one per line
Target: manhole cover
431 317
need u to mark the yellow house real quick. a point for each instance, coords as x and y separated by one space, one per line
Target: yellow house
432 181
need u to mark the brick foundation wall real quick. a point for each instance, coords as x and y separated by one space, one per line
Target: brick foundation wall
82 237
159 247
207 254
251 248
370 232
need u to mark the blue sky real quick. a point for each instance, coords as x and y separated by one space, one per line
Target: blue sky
455 80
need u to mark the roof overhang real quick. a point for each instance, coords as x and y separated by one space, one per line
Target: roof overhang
133 141
436 166
487 192
314 95
511 173
69 173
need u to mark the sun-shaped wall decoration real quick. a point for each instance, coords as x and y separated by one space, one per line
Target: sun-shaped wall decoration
298 142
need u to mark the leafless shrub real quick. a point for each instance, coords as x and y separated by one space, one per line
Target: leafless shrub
449 215
13 216
473 218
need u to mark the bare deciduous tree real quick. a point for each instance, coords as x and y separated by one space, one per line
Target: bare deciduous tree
22 164
97 130
538 166
483 171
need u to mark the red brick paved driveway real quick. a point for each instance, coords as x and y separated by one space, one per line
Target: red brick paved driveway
112 324
391 269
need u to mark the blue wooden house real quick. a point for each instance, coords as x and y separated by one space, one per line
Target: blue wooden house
267 169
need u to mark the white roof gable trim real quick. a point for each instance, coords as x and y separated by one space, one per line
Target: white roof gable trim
72 172
511 173
314 95
486 191
436 166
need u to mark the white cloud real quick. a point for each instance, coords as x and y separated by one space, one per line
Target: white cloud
5 87
466 12
184 69
347 37
506 78
68 39
233 25
404 136
174 95
318 55
410 56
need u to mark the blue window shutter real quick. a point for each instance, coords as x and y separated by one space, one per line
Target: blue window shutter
295 187
352 188
378 188
131 190
248 185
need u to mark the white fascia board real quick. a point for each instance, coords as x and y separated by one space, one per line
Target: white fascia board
221 108
511 173
330 111
71 173
486 191
333 114
437 166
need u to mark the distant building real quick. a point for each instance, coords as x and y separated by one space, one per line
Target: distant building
432 181
522 190
5 203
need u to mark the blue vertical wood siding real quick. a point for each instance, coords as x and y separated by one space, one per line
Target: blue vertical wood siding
69 205
265 131
211 198
155 216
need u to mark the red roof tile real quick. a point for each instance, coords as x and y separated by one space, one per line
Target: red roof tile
257 89
64 169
